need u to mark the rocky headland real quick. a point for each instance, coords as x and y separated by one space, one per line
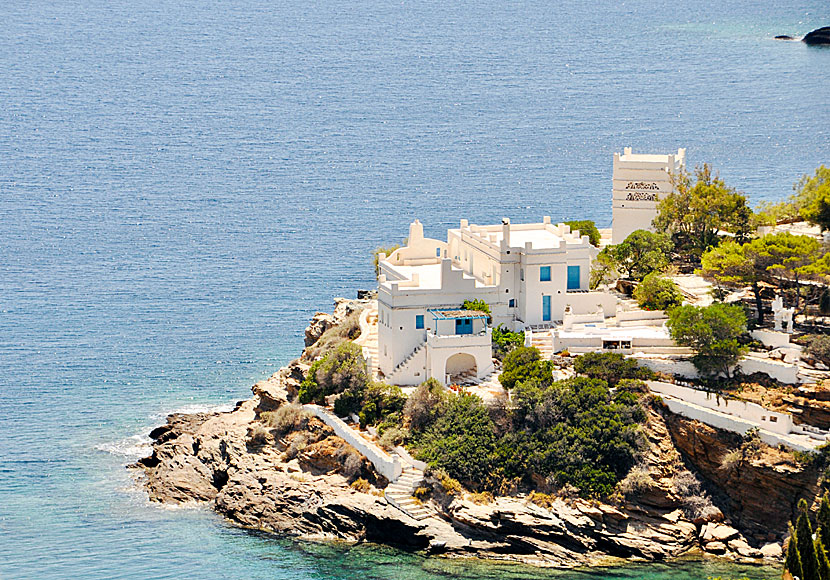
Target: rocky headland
307 482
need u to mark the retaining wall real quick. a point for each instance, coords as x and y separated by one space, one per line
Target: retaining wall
385 464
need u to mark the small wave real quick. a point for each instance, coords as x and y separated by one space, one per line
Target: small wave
133 447
203 408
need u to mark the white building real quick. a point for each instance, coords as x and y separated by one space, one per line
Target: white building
639 183
528 274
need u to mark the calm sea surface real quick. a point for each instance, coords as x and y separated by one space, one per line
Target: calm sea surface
182 184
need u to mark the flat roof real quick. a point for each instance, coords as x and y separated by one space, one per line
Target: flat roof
615 332
429 275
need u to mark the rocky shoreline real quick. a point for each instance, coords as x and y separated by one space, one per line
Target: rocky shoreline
263 480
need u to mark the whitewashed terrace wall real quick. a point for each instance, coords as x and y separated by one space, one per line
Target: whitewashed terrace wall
784 372
385 464
771 338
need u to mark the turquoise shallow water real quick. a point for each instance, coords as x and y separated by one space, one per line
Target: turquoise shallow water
182 184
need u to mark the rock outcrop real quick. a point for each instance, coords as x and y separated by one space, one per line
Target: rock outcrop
302 480
819 36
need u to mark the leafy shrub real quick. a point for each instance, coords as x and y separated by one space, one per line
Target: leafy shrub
258 435
818 346
341 369
380 400
460 440
636 482
286 419
477 304
543 500
451 486
523 364
481 498
611 367
361 485
632 386
657 293
422 492
392 437
422 406
712 332
505 341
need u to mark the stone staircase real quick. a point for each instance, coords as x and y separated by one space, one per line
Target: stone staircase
392 376
368 339
543 340
399 493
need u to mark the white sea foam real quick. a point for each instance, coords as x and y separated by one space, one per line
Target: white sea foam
133 447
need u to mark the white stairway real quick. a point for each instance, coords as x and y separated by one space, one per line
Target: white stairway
399 493
544 342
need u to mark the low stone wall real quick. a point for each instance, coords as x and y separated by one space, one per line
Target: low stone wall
388 466
771 338
784 372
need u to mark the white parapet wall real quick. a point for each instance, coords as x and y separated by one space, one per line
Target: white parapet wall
781 371
771 338
736 416
388 466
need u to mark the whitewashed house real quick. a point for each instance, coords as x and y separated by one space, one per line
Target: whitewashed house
528 274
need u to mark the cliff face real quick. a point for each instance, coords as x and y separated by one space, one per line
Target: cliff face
759 492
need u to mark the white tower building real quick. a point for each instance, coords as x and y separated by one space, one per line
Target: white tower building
640 181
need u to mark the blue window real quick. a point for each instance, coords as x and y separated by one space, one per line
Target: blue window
573 278
419 321
464 326
512 303
437 252
546 308
544 274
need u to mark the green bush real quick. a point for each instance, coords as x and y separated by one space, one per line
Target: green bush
523 364
657 293
586 228
818 346
611 367
712 332
343 368
422 406
477 304
504 341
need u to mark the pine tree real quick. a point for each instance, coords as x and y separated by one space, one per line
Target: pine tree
821 553
793 561
823 520
804 543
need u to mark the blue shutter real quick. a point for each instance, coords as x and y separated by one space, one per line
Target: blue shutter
546 308
573 278
544 274
419 321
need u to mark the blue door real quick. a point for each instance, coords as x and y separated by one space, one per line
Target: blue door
546 308
464 326
573 278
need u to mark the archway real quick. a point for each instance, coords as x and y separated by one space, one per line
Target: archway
461 367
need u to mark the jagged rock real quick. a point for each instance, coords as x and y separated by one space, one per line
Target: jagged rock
743 549
819 36
320 323
784 37
715 548
717 532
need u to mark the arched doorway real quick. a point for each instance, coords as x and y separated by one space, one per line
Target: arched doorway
460 368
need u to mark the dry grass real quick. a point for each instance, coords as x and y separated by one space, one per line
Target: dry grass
361 485
349 329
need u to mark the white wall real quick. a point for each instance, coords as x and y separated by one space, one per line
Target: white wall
771 338
385 464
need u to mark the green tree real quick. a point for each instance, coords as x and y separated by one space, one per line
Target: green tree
712 332
823 519
821 554
422 406
477 304
641 253
586 228
604 269
793 562
813 197
728 264
657 293
784 257
505 341
611 367
805 545
695 213
522 364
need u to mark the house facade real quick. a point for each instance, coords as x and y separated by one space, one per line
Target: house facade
528 274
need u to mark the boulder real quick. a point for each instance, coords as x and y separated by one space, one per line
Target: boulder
818 37
784 37
715 548
712 532
319 323
772 551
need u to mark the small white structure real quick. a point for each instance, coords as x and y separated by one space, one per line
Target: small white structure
639 182
528 274
783 316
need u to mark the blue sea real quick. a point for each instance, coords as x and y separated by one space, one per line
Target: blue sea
184 183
